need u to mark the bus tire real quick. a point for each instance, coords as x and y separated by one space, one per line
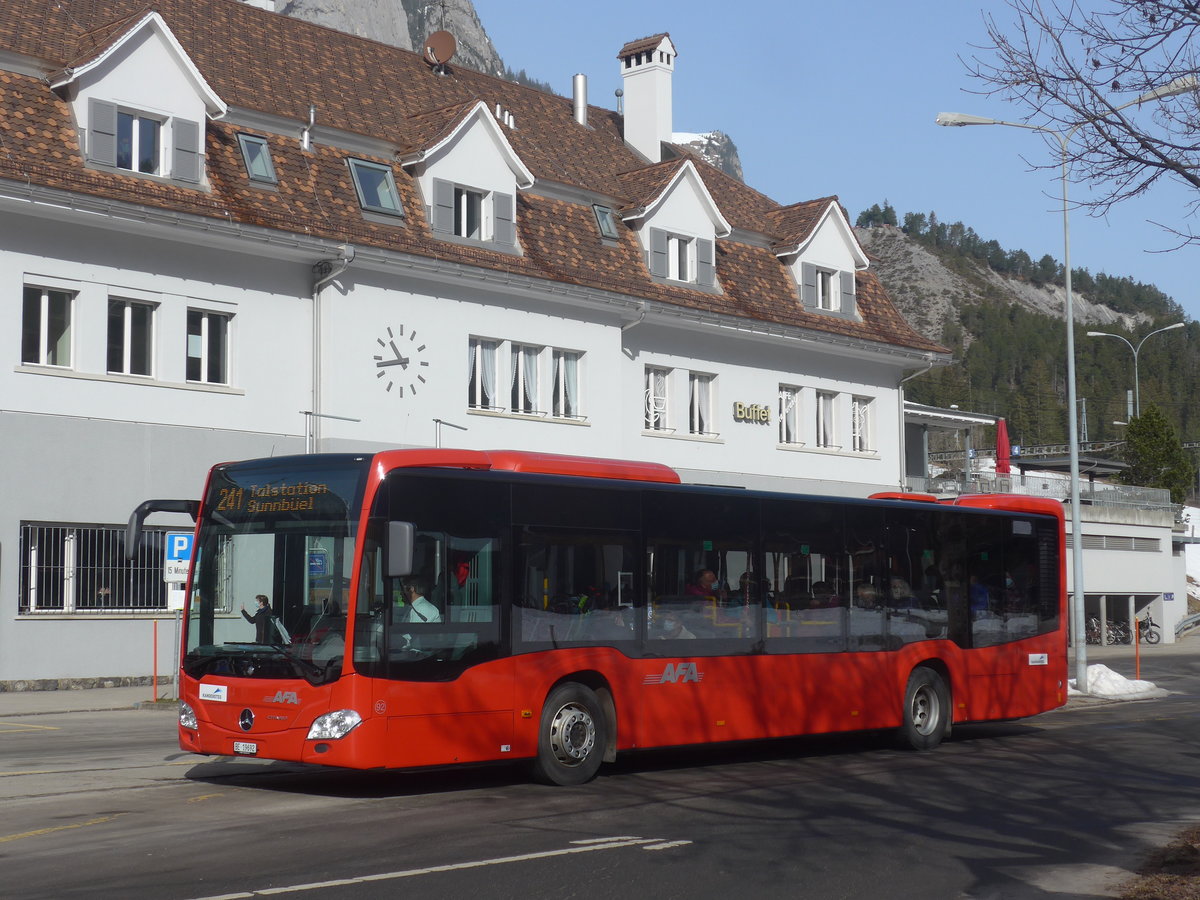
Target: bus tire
571 737
926 716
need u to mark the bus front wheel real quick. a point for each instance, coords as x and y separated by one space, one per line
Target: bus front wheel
926 710
571 738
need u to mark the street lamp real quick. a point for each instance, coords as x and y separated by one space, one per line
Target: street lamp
1181 85
1137 394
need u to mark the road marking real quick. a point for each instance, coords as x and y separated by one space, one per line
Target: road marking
666 845
43 831
581 846
201 798
18 727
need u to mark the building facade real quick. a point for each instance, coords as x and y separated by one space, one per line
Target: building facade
234 234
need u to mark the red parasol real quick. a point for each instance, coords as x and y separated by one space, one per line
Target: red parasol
1003 450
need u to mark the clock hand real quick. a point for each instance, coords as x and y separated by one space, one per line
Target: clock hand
391 362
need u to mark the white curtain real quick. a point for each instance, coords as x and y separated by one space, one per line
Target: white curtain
571 383
481 356
530 356
700 389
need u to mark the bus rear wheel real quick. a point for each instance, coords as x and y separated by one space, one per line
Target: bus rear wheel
926 710
571 737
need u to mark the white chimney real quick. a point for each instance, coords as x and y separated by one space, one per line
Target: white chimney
646 68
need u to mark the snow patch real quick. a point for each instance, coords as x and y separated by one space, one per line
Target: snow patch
1104 682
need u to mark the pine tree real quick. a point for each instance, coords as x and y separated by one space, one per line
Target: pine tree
1154 456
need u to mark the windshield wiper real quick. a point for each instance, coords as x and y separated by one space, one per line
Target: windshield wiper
311 667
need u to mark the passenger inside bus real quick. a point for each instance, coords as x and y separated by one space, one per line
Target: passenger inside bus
671 628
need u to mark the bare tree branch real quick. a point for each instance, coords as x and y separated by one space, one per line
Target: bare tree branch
1070 67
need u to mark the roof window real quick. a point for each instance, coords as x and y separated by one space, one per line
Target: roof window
606 221
256 154
376 187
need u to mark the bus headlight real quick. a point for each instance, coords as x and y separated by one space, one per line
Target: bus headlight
334 725
187 717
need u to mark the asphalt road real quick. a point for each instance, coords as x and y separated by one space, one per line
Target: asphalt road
1061 806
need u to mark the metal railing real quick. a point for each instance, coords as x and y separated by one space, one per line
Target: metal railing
1052 486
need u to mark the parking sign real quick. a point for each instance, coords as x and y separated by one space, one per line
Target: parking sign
178 556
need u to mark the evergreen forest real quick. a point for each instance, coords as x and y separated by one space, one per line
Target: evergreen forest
1011 361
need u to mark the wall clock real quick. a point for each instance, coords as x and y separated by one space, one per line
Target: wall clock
400 362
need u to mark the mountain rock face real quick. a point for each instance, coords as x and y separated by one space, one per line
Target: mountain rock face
716 148
405 24
929 293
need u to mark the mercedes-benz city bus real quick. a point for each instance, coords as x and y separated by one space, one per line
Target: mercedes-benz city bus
431 607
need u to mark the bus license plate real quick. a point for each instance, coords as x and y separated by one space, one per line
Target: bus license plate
244 747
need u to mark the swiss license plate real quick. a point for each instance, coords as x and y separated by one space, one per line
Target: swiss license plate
245 747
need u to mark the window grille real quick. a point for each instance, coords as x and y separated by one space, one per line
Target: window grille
83 569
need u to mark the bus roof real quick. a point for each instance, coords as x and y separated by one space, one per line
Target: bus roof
530 462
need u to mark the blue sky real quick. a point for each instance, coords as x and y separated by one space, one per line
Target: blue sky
828 98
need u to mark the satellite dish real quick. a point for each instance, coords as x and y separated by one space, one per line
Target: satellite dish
439 48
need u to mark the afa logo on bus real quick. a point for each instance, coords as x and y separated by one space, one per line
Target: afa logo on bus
676 673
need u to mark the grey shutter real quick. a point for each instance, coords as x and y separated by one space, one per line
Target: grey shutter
847 293
704 262
102 132
505 228
808 285
658 252
443 206
185 150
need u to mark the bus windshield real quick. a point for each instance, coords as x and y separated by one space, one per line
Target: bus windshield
271 576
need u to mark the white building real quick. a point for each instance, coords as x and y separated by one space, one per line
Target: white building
237 234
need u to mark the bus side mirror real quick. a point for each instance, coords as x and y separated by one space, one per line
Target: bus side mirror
400 549
133 531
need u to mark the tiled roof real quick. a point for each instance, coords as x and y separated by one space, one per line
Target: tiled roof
641 186
267 63
794 224
642 44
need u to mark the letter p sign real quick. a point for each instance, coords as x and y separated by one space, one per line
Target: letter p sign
179 546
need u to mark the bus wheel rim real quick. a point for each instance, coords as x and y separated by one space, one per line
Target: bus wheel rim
572 735
924 710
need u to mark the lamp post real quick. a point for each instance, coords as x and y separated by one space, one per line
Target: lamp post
1137 394
1181 85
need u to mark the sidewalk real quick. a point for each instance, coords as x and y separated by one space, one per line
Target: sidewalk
38 703
14 704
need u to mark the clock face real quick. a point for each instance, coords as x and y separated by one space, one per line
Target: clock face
399 363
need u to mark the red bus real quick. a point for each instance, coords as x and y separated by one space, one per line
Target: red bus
431 607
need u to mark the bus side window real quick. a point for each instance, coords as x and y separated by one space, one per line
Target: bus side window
575 587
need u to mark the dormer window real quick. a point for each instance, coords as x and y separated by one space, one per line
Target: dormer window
460 211
827 299
139 143
678 257
468 213
257 157
135 141
827 290
376 187
681 258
